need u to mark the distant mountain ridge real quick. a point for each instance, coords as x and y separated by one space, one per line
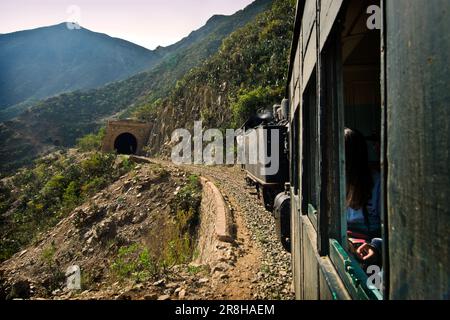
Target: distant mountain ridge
43 62
19 92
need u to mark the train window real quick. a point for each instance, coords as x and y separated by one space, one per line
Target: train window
361 69
295 155
310 179
362 99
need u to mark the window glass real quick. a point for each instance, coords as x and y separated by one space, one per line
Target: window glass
295 161
311 176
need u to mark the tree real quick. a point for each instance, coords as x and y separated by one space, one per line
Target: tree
250 101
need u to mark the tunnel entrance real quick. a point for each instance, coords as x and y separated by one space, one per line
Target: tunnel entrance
126 136
126 143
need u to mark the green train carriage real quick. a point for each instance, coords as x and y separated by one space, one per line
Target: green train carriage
382 68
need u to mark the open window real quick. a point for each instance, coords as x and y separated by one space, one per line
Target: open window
350 81
362 100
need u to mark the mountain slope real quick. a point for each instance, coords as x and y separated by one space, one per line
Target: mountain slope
60 120
247 73
46 61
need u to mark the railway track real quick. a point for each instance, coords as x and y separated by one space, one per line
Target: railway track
262 270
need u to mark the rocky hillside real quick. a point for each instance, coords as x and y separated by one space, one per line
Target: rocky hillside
152 234
35 199
60 120
135 230
247 73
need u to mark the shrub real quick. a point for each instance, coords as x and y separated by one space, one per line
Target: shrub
71 194
55 186
92 186
91 142
98 164
189 197
180 247
126 165
135 262
5 198
48 255
57 277
250 101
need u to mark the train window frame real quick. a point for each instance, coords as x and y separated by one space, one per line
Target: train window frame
333 178
310 173
296 151
331 126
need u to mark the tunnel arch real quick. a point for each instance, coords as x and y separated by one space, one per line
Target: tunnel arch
117 136
126 143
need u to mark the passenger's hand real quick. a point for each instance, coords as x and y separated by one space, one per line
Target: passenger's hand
367 254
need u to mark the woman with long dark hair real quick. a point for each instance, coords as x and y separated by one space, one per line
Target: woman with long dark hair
362 196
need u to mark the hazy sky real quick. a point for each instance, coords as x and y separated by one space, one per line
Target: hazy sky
148 23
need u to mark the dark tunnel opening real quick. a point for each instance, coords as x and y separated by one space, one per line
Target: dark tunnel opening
126 143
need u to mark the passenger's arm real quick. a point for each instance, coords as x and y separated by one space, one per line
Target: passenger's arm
369 253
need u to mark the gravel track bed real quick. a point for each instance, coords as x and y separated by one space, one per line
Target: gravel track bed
273 278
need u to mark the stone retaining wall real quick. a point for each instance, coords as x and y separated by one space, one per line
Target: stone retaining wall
215 223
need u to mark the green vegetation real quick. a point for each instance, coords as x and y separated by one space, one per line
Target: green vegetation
5 196
246 74
245 70
91 142
196 269
38 197
203 43
180 247
265 269
182 231
188 197
135 262
177 245
48 255
248 102
52 268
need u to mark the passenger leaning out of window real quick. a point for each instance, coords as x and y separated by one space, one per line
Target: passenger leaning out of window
362 201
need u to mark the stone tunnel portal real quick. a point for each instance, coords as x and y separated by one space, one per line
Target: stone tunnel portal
126 143
126 136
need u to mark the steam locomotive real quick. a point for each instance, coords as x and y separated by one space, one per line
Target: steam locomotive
270 186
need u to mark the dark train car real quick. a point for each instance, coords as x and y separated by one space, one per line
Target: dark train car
258 139
382 68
